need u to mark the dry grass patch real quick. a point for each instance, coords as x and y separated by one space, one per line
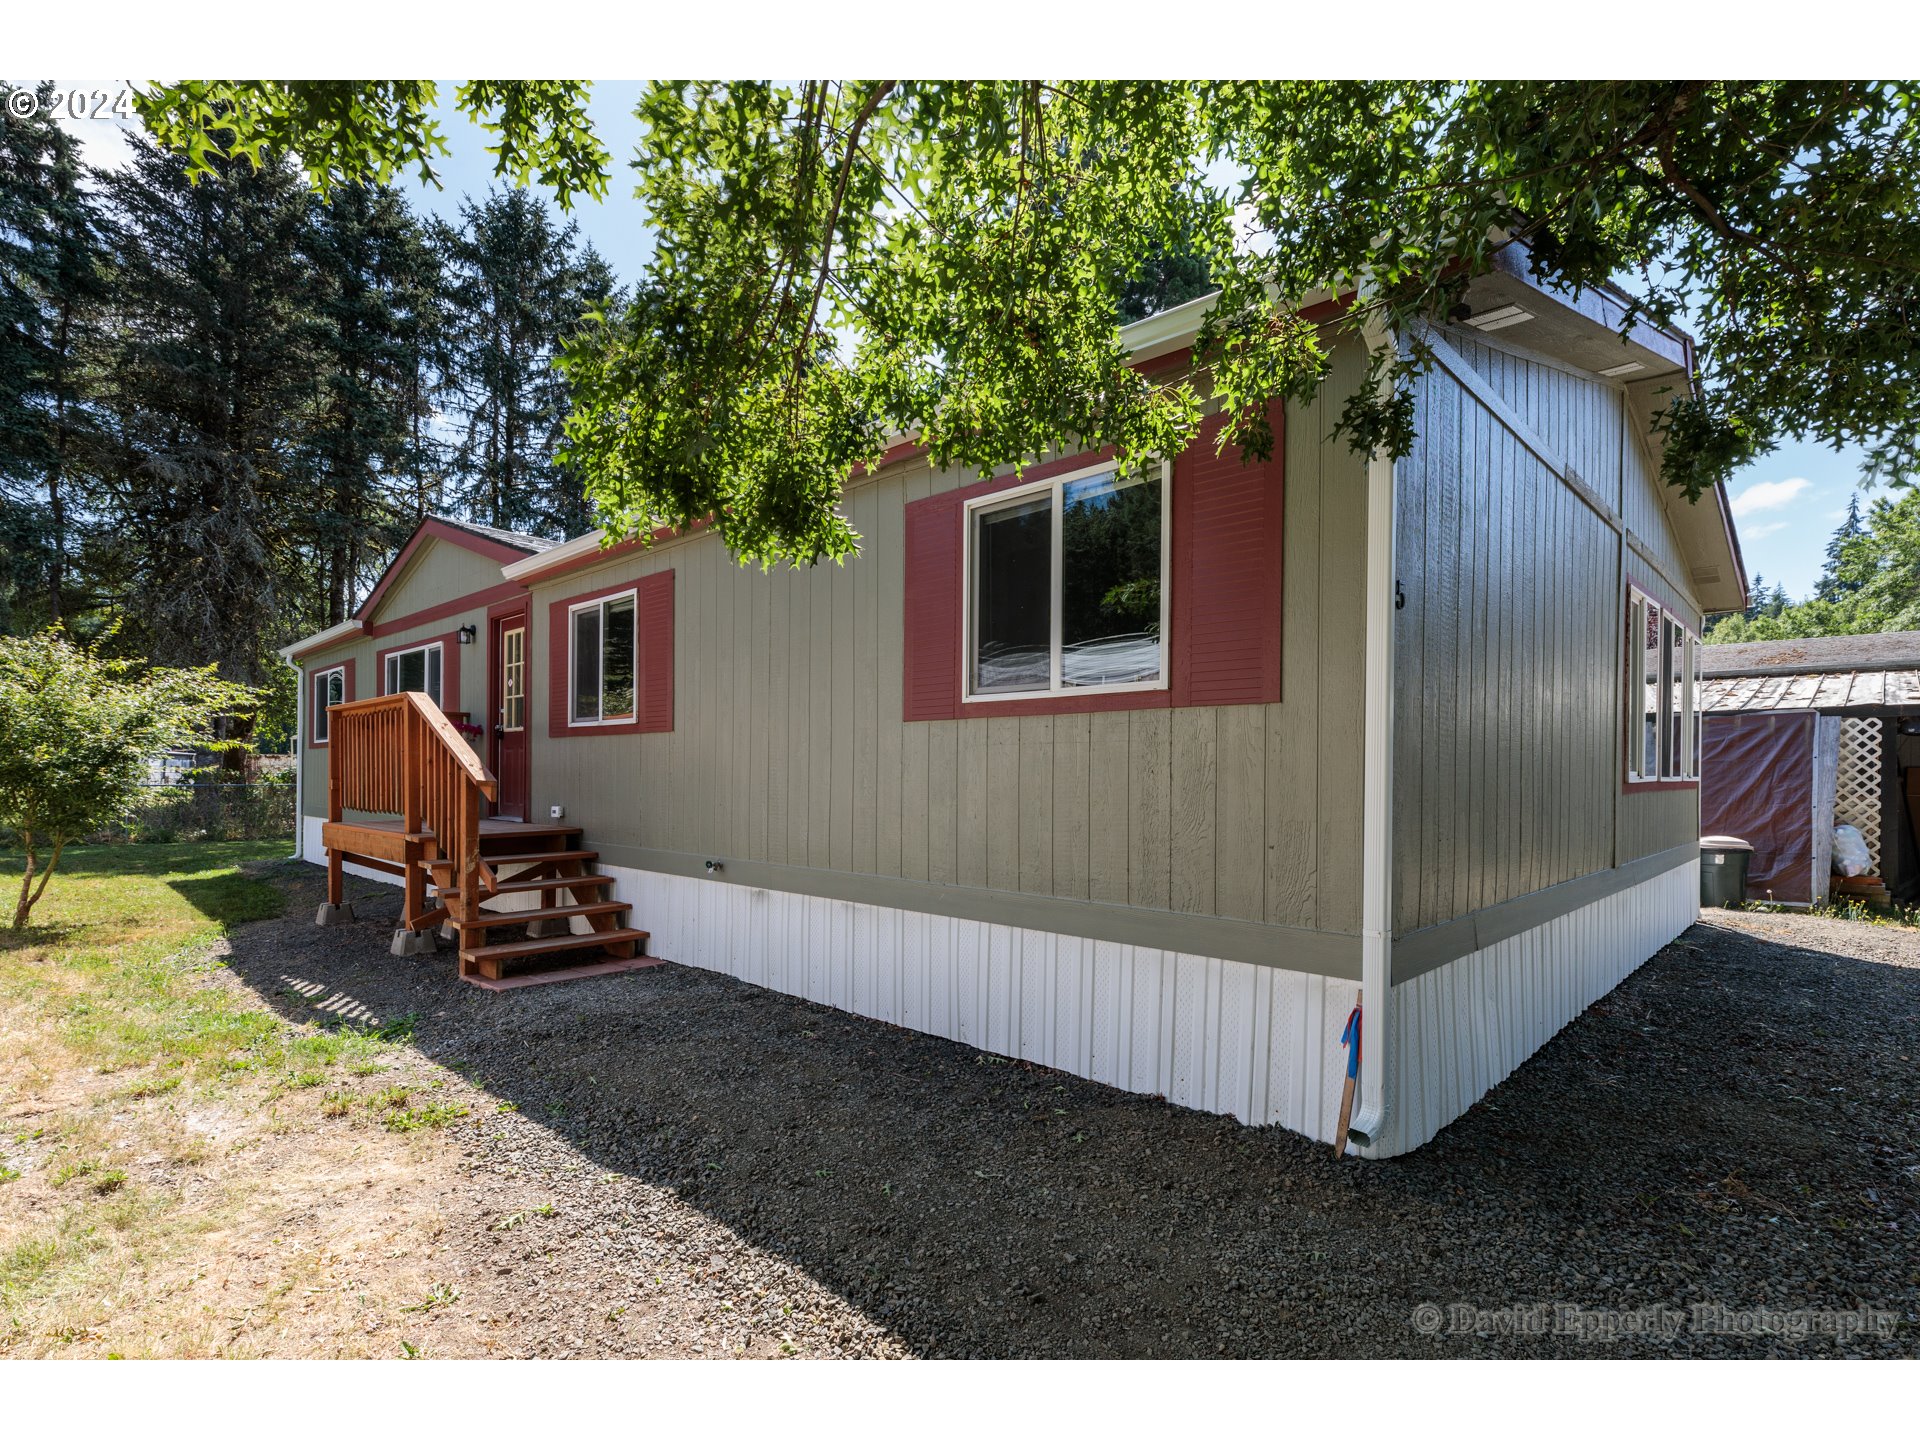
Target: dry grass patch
177 1179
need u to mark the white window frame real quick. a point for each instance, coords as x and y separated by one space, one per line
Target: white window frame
390 665
1055 487
1681 765
600 603
319 678
518 669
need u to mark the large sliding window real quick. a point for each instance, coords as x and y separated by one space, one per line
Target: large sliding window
329 688
1067 585
415 669
1663 694
603 642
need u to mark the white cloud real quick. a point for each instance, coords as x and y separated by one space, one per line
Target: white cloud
1758 532
1769 495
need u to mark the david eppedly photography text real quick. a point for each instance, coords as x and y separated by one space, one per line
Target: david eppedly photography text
1706 1317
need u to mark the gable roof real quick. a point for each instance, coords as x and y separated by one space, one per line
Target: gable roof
503 547
530 544
1582 328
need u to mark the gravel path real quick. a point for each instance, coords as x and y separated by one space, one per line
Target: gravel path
673 1162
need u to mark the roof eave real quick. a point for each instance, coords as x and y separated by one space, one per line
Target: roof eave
321 640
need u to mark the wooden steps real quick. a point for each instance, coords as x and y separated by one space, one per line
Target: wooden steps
549 882
490 960
540 857
1870 888
500 919
549 861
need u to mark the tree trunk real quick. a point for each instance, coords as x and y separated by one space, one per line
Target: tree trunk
29 892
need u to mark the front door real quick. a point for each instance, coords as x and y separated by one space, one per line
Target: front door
508 693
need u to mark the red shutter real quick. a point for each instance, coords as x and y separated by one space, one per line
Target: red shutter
655 604
556 669
1227 519
932 658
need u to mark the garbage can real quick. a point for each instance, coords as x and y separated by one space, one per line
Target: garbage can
1723 870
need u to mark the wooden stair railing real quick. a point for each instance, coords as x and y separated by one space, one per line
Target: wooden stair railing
399 755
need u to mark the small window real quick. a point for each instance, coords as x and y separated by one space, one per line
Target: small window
415 669
1663 689
329 688
605 646
1068 585
513 679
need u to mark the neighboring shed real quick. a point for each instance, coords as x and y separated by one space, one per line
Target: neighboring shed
1803 735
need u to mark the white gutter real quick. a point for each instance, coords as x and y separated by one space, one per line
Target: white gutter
299 756
1372 1123
587 544
344 630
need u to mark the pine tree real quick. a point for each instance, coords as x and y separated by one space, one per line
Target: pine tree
1171 276
213 378
370 446
515 286
1833 583
52 289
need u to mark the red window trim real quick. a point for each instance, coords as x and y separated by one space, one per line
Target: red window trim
653 659
934 662
450 648
313 709
1628 739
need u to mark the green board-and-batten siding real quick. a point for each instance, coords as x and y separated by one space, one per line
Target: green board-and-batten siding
1510 669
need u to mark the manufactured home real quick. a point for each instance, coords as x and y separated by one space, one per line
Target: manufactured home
1149 778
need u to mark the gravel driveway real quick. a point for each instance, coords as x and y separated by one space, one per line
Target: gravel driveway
673 1162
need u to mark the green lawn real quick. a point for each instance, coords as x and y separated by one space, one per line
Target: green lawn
117 952
117 964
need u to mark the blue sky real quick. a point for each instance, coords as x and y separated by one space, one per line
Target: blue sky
1785 506
616 226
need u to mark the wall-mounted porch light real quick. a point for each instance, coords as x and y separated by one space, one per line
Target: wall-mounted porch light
469 633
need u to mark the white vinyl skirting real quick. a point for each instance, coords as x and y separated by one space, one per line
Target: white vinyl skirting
1460 1030
1256 1042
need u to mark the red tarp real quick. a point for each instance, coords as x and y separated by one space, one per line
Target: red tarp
1756 783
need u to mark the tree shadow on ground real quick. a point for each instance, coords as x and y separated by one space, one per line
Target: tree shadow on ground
1719 1128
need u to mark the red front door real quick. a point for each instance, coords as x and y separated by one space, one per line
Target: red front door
508 692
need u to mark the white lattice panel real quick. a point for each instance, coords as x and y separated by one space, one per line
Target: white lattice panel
1857 801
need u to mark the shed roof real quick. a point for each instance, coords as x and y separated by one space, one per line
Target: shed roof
1894 650
1837 674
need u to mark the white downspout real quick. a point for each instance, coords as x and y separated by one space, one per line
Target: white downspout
1372 1124
299 759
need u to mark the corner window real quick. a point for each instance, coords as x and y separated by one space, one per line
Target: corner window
1663 690
329 688
415 669
1067 585
603 642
